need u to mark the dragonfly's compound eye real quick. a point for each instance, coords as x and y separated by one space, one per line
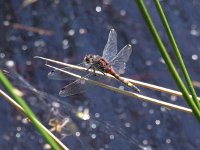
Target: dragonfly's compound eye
88 59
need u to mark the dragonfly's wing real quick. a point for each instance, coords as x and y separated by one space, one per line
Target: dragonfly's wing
58 75
118 63
110 50
75 87
19 80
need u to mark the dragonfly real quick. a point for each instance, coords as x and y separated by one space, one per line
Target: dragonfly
110 62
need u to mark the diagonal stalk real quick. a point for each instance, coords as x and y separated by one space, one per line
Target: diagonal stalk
128 93
138 83
19 108
167 59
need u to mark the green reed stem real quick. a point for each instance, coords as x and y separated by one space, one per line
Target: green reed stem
167 59
7 85
176 52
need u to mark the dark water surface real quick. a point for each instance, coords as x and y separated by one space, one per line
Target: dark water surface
67 31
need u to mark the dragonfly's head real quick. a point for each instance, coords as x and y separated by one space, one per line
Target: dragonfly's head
88 59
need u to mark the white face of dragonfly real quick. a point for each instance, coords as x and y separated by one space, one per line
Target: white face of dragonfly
89 59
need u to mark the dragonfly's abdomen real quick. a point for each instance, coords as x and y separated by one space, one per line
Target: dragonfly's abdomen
104 67
129 84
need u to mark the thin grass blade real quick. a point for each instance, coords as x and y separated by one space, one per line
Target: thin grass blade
167 59
7 85
176 52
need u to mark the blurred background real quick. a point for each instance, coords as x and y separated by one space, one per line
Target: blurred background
68 30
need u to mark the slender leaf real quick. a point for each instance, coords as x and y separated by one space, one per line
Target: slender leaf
176 52
167 59
7 85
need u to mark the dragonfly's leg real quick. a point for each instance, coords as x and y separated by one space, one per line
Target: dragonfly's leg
103 73
94 70
89 68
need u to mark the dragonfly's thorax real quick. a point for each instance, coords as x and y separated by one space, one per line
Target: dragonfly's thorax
98 63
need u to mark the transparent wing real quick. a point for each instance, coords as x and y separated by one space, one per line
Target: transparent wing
75 87
110 50
118 63
58 75
19 80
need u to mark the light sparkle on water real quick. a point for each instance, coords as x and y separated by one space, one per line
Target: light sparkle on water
93 126
157 122
112 137
71 32
195 57
10 63
98 9
77 133
93 136
168 141
18 135
122 12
